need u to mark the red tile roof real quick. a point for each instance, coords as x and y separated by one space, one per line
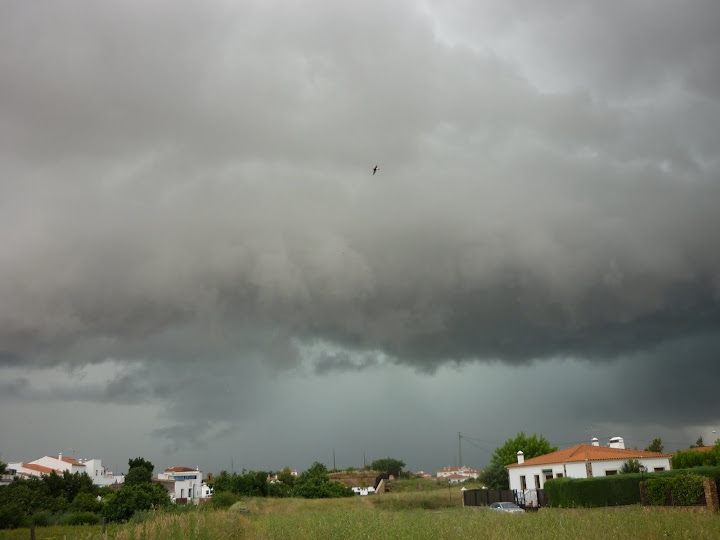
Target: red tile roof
583 452
701 448
180 469
40 468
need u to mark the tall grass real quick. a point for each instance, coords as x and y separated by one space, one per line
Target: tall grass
411 515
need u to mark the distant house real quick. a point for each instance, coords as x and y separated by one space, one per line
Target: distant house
363 491
183 484
581 461
456 475
59 464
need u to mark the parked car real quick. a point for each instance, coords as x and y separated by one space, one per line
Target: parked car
510 508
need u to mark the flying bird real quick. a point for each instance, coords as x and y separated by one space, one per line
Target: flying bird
376 169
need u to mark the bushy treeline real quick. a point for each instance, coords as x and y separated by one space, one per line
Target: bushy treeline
694 458
51 499
73 499
311 484
624 489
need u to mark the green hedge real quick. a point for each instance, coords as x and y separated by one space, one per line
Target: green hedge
591 492
693 458
624 489
681 490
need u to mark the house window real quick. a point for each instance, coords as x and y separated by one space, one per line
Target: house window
559 475
611 472
537 481
523 486
658 469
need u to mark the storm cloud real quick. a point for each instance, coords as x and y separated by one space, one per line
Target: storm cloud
189 189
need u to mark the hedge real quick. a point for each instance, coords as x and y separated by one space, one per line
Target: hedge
683 490
624 489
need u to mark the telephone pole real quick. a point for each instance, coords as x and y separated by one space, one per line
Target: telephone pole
459 450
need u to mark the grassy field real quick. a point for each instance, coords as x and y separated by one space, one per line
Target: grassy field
435 514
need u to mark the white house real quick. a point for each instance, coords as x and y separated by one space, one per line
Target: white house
581 461
59 464
182 483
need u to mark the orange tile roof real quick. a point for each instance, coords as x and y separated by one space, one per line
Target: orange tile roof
180 469
40 468
701 448
583 452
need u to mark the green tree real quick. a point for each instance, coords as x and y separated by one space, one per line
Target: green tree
286 477
3 467
123 503
315 484
139 472
630 466
698 443
495 476
655 446
388 465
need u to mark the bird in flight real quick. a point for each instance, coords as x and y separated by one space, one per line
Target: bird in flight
375 169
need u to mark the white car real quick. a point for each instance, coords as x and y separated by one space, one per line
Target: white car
510 508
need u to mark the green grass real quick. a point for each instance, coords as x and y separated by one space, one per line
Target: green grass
436 514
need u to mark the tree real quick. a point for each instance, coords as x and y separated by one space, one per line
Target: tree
630 466
495 476
388 465
3 467
315 484
655 446
122 504
698 443
139 472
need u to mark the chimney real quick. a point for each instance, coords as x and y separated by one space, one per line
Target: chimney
617 442
60 456
595 441
521 457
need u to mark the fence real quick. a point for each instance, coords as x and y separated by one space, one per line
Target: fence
485 497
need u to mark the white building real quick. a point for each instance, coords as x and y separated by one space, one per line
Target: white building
183 483
363 491
59 464
581 461
456 475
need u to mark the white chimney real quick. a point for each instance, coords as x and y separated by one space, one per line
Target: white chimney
617 442
521 457
60 456
595 441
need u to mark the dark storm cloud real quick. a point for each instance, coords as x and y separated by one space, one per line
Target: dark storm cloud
190 190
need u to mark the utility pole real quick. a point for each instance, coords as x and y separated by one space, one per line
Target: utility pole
459 450
334 468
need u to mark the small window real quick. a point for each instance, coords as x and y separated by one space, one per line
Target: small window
559 475
611 472
523 485
537 481
658 469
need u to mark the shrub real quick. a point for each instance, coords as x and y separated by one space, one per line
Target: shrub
224 499
44 518
12 516
593 492
687 489
656 491
81 518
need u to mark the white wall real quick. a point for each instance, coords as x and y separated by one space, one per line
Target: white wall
576 469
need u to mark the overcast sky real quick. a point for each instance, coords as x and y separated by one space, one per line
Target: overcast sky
198 266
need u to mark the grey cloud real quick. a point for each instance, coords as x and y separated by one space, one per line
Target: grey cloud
196 195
